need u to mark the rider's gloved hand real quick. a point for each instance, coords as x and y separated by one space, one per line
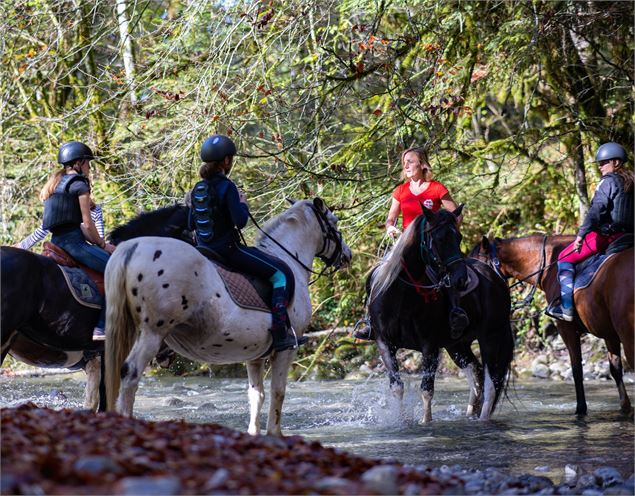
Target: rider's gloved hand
392 231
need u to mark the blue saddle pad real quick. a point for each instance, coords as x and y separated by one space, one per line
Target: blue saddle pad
586 269
82 287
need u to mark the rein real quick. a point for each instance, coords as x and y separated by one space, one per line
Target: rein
329 234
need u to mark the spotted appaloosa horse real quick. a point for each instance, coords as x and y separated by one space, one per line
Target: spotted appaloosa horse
41 322
160 289
409 308
605 308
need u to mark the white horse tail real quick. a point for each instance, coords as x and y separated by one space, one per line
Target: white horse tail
120 327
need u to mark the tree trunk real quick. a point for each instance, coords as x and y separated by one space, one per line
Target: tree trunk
126 48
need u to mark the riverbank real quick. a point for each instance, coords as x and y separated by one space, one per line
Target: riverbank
66 451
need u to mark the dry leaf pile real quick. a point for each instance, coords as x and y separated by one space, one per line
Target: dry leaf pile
48 451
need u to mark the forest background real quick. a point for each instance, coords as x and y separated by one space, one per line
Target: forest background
511 98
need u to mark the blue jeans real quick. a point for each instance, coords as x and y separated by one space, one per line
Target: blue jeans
74 243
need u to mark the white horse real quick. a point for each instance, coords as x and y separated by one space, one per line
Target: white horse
161 288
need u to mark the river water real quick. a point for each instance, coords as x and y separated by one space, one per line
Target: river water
534 431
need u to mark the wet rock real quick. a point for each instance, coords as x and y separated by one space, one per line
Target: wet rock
586 481
208 405
90 466
570 472
217 479
541 371
591 492
331 484
381 479
173 401
141 486
608 476
542 468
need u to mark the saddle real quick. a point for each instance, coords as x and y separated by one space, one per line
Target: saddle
247 291
60 257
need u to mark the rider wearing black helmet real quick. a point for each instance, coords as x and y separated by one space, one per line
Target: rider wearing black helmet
219 210
609 217
67 214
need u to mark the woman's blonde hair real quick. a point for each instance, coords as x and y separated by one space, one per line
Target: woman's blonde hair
422 155
49 187
627 176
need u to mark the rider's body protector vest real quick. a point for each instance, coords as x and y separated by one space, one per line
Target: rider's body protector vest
208 215
622 213
62 207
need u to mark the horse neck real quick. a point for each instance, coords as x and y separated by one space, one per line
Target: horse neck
301 242
521 257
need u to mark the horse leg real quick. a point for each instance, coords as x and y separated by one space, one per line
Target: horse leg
93 378
256 394
569 335
389 357
463 357
145 348
279 370
615 366
429 364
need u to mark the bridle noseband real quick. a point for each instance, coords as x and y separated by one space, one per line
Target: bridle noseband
329 234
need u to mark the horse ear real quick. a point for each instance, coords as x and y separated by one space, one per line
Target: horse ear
319 204
458 210
485 244
291 201
427 212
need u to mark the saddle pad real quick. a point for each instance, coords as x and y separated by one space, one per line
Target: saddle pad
241 290
82 287
472 281
585 271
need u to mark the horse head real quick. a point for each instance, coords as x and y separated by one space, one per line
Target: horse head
334 252
440 244
171 222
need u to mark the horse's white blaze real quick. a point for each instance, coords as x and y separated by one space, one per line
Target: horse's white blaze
489 396
167 289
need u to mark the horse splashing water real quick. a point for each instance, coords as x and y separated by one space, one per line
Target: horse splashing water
408 308
604 307
164 289
44 324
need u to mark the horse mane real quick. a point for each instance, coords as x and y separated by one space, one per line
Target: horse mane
387 271
145 223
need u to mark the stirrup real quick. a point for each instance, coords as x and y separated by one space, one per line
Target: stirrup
364 333
558 312
290 342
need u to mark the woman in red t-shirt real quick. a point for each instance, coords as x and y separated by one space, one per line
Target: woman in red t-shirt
418 189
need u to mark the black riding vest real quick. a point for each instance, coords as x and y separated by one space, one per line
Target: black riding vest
62 207
622 212
209 214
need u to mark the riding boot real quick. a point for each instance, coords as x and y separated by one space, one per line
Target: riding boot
458 317
564 311
284 337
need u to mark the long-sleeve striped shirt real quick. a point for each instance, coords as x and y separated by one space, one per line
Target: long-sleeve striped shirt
39 234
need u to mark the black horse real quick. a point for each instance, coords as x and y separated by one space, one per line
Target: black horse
42 324
409 308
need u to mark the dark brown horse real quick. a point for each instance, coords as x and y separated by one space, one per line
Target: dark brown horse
41 322
409 308
604 308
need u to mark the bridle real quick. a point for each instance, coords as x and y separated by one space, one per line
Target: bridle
329 233
436 268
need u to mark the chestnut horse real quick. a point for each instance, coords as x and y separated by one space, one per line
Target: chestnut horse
604 308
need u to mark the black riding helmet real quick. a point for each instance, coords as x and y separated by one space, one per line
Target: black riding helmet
74 150
216 148
609 151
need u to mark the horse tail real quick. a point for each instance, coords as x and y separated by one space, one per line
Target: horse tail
502 366
119 322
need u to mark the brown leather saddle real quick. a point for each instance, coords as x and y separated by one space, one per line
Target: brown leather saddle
60 257
247 291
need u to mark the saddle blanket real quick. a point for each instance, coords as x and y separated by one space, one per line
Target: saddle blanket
82 287
242 290
586 270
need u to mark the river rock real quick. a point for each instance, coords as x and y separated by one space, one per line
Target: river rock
608 476
173 401
381 479
586 481
570 471
141 486
541 371
331 484
90 466
217 479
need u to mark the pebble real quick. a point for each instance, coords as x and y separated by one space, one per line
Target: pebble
141 486
381 479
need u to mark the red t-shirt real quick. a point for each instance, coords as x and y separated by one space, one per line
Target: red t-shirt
410 204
